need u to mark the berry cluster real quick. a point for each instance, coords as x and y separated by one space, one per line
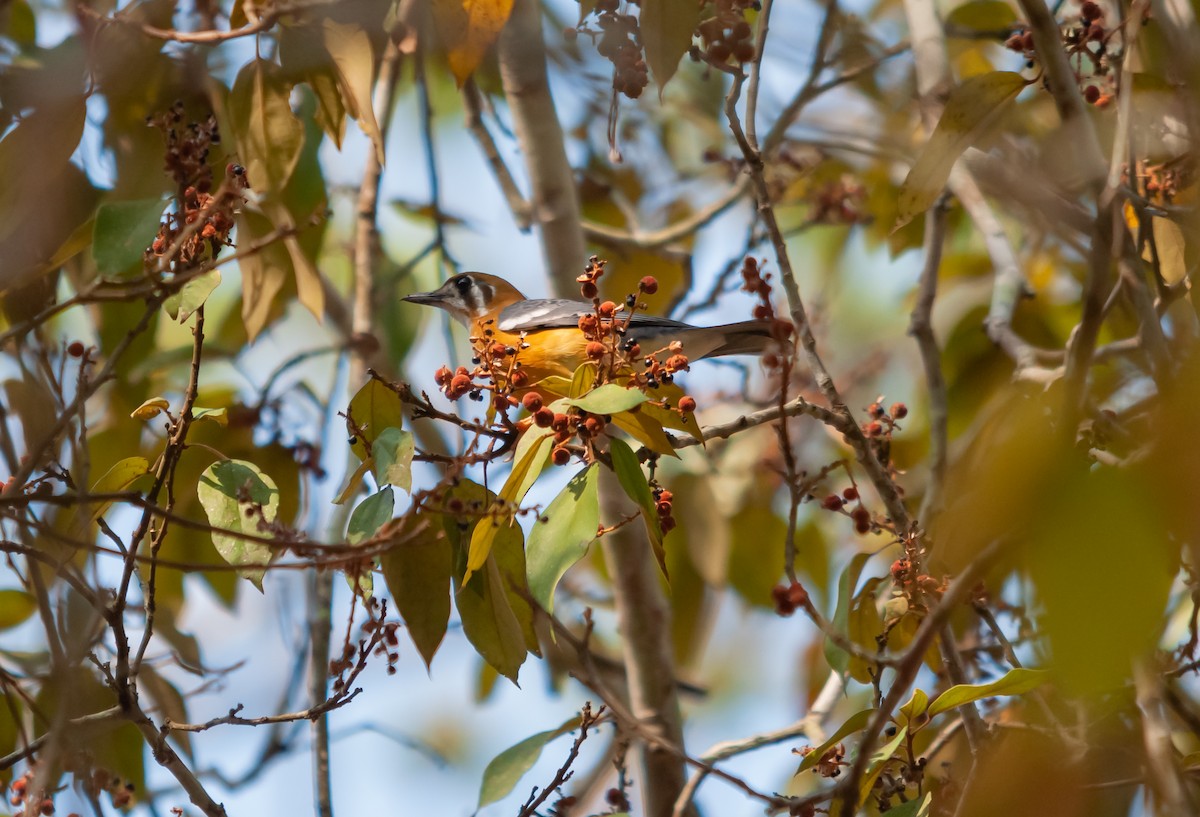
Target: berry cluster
727 34
203 218
788 597
909 582
830 764
1086 38
378 637
1161 182
20 795
859 514
565 425
839 202
758 284
620 42
664 506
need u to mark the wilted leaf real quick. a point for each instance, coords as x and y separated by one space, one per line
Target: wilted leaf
123 231
237 496
610 398
666 30
192 295
633 481
528 461
418 570
269 136
350 48
468 28
507 768
971 110
150 409
560 541
1014 682
392 452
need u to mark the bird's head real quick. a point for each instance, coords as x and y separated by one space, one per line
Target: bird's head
470 296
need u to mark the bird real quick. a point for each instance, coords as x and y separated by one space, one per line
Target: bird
547 330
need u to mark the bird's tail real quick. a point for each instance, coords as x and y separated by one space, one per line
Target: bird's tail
744 338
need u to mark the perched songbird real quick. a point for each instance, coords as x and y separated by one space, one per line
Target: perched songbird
555 345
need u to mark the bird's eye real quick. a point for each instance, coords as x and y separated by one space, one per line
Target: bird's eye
462 283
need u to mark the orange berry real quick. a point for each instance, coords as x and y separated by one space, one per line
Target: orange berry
648 285
595 350
442 376
873 429
898 411
544 417
589 290
532 401
560 456
687 404
607 309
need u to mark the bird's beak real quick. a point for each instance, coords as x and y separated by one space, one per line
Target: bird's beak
424 298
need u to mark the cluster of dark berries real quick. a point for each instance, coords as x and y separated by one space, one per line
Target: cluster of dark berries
839 202
619 40
859 514
788 597
565 425
664 507
378 637
203 218
758 283
727 34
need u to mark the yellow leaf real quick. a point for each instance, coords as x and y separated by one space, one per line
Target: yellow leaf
150 409
354 61
528 461
269 136
1168 240
308 280
118 478
263 273
469 28
971 110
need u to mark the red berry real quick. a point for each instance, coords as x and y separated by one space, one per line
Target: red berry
1091 94
648 285
595 350
797 595
76 349
532 401
850 494
560 422
862 519
607 309
543 417
687 404
560 456
589 290
833 502
873 429
442 376
898 411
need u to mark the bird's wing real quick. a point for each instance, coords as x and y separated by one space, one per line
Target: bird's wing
560 313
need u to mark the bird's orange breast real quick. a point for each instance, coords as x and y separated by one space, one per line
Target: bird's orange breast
548 352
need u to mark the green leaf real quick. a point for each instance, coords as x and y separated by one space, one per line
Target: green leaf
371 514
877 763
528 462
611 398
970 111
837 657
856 723
488 619
916 706
913 808
122 232
666 28
561 537
15 606
633 481
393 452
1014 682
507 768
192 295
418 570
232 492
220 416
269 136
374 409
